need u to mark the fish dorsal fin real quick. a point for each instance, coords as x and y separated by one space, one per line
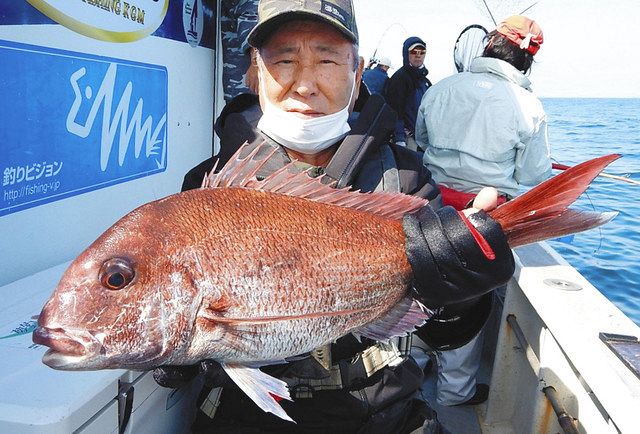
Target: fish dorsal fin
402 319
288 180
260 387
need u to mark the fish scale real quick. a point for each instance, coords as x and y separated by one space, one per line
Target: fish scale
292 246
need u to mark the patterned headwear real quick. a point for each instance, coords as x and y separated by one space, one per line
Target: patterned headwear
272 13
523 32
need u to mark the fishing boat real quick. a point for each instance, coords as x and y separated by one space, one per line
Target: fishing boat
105 105
559 357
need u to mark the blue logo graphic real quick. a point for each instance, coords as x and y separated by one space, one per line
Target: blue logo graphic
73 123
23 328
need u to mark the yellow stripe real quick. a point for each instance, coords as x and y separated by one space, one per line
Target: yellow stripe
94 32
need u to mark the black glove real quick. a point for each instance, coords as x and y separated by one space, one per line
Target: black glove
448 264
178 376
175 376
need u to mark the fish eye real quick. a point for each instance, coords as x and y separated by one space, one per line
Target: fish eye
116 273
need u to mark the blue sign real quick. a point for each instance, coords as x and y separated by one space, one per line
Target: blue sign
73 122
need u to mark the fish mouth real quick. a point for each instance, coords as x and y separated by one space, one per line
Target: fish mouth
67 349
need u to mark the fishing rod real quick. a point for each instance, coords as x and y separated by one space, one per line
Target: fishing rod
526 9
495 23
558 166
490 14
373 56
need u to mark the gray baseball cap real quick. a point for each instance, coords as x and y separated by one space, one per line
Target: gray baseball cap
272 13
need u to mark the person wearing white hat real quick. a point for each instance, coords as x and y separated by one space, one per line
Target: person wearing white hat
376 77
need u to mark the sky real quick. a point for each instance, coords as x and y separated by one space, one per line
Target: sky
590 47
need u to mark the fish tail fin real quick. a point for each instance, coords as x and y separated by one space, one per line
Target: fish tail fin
543 212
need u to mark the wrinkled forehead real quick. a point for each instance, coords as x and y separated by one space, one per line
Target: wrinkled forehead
294 33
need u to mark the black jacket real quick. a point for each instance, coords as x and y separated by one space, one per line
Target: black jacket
237 124
405 90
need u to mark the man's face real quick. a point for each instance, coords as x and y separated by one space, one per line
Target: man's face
307 67
416 56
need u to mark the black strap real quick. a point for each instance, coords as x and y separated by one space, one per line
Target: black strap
371 129
352 373
456 324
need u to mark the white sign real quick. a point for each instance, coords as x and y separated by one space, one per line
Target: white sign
107 20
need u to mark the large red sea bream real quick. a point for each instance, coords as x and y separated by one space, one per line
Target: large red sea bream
250 272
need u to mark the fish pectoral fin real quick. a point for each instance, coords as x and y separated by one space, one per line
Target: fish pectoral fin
402 319
211 312
260 387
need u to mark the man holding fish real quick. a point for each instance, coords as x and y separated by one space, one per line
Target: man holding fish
266 267
309 72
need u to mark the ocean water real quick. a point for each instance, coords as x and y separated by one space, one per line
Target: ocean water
609 256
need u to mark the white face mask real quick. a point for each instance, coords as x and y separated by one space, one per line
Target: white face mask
304 135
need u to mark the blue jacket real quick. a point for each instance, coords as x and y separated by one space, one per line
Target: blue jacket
375 79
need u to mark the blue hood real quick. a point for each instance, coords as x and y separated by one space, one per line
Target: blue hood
405 48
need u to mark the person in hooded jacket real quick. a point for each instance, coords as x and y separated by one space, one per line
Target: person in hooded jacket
481 126
406 88
504 141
